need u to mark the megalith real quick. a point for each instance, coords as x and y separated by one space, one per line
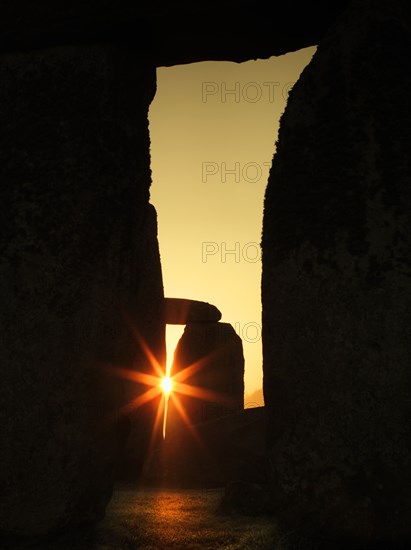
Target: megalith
77 235
209 356
336 288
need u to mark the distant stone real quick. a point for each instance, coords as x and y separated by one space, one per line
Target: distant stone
180 311
214 354
235 446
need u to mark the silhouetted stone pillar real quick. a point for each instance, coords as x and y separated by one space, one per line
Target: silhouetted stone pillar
205 408
336 286
75 223
212 355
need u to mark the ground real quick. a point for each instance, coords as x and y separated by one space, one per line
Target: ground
156 519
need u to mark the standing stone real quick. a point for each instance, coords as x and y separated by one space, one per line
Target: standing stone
200 425
149 323
336 287
75 222
213 355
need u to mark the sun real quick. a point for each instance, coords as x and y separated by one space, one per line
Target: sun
166 385
161 383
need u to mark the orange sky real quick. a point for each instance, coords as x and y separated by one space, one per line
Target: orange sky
213 127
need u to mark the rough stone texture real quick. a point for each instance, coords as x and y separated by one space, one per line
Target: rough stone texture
149 322
174 33
212 353
75 229
245 498
212 453
180 311
336 286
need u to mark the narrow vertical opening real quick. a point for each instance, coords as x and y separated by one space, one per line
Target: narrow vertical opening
213 128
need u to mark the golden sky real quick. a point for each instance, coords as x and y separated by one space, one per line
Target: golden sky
213 127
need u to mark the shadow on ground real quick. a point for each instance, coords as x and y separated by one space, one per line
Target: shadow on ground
156 519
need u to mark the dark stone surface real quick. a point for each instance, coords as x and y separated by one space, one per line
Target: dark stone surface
149 322
211 356
245 498
211 440
336 286
211 453
74 230
173 33
180 311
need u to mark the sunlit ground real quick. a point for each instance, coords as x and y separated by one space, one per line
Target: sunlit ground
181 519
154 519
